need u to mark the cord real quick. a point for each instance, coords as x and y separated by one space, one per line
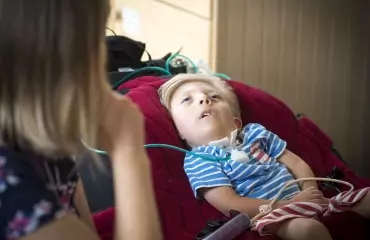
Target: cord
167 66
221 75
159 145
266 209
111 30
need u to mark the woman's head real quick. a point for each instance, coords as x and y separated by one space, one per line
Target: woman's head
52 61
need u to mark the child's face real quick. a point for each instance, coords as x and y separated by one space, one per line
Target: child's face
201 114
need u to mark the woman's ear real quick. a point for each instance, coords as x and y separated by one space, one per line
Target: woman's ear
238 123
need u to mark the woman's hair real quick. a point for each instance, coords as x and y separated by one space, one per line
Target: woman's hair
52 73
167 90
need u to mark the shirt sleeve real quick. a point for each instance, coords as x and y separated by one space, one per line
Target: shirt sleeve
204 174
271 143
26 203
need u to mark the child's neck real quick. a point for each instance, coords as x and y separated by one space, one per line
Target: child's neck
227 141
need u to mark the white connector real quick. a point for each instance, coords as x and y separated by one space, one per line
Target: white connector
202 66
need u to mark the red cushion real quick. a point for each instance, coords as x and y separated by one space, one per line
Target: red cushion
183 216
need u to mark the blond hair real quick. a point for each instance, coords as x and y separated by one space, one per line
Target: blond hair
167 90
52 61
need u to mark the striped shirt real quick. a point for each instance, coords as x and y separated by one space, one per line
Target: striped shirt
259 175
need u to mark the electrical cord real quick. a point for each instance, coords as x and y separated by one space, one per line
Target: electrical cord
111 30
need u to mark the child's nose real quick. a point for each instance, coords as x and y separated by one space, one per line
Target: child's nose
204 100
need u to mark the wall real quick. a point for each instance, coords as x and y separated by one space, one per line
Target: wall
365 166
313 54
166 25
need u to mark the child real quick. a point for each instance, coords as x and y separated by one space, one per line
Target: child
206 113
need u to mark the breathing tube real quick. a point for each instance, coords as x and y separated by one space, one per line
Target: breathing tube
159 145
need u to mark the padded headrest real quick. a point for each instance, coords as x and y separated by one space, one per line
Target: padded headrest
256 106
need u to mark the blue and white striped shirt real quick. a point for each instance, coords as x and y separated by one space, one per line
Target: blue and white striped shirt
259 176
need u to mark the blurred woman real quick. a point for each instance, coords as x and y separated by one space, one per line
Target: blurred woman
53 93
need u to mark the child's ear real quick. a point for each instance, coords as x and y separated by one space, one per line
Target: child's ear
238 123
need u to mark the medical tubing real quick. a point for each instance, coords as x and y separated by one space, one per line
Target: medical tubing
266 209
160 145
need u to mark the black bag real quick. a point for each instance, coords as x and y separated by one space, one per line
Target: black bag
124 52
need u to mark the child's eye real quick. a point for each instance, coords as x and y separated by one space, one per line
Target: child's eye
215 96
185 99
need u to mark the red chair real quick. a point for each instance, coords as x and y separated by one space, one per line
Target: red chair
182 216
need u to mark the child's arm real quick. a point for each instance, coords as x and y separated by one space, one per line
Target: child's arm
275 147
298 168
209 181
226 199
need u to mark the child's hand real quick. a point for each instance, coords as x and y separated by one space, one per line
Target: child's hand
310 194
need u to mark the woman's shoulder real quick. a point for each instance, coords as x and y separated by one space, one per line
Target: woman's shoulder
33 191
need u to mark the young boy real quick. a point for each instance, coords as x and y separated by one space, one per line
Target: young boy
242 168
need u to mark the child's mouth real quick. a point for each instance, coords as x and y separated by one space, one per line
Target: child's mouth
205 114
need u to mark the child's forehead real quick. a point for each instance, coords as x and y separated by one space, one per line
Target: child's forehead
196 85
